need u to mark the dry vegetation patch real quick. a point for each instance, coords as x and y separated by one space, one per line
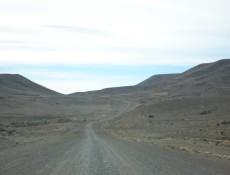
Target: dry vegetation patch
14 133
182 124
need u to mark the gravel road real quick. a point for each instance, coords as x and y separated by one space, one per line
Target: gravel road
95 153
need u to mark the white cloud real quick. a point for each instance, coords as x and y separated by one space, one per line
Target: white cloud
99 32
160 25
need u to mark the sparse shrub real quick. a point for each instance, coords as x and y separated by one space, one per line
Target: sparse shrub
217 125
11 131
151 116
29 123
204 112
2 129
225 122
32 123
64 120
172 146
18 124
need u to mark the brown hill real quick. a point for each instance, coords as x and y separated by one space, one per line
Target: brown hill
209 79
157 79
14 84
204 73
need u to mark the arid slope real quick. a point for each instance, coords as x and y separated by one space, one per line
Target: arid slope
188 111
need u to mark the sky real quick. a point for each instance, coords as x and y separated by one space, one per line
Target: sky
74 46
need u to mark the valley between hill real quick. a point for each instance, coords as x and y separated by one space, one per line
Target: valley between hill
167 124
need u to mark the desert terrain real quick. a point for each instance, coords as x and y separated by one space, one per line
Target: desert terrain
167 124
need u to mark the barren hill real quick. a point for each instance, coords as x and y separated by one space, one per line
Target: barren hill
15 84
157 79
210 79
216 72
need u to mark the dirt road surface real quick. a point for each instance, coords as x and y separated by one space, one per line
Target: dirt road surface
98 153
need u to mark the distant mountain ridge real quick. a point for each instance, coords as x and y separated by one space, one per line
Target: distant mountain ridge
209 78
15 84
217 71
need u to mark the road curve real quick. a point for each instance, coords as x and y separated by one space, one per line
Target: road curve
98 154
